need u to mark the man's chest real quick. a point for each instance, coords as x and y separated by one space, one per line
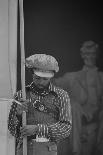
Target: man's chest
46 107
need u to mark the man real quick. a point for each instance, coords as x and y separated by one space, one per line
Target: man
86 88
47 108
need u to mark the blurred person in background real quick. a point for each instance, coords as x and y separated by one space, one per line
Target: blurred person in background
86 91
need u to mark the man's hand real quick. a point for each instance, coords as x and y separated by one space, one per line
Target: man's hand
22 107
28 130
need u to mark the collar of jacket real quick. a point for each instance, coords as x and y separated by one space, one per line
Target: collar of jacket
50 89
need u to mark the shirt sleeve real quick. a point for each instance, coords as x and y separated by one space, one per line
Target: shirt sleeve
14 120
62 128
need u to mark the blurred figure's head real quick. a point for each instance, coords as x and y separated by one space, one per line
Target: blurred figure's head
89 52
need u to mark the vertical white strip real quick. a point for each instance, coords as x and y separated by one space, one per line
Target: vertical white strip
12 57
22 48
5 88
23 68
8 38
12 32
3 127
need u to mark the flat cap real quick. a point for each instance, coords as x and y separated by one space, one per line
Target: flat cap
89 46
42 64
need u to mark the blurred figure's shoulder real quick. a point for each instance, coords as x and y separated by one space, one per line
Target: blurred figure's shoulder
67 80
72 75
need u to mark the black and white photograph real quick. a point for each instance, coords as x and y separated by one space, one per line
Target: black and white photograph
51 77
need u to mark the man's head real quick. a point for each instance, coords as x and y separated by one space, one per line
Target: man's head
89 53
44 67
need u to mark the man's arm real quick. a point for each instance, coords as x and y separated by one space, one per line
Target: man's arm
15 116
14 120
62 128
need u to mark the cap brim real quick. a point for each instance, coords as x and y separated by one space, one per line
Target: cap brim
44 74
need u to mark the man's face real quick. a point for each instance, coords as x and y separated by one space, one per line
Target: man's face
41 82
89 59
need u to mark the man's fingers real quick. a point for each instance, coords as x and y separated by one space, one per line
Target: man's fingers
24 131
23 134
24 107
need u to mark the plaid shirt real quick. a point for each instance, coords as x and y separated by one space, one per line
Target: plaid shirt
57 130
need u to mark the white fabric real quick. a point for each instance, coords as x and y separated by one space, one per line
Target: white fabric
12 51
8 51
41 139
7 141
44 74
5 88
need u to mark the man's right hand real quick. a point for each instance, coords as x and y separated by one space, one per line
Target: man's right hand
22 107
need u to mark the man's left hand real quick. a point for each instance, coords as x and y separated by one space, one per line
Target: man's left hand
28 130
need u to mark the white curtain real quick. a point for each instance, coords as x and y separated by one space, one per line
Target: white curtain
8 70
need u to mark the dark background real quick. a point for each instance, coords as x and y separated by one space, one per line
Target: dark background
59 28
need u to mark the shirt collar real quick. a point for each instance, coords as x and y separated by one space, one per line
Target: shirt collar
51 88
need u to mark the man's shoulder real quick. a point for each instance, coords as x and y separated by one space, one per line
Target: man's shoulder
60 91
